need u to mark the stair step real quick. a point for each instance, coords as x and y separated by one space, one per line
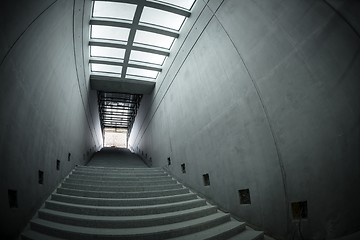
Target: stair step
121 201
124 170
119 178
101 194
220 232
140 233
248 234
125 221
117 168
123 211
33 235
152 174
122 188
165 181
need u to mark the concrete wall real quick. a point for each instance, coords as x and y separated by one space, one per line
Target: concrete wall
47 108
264 95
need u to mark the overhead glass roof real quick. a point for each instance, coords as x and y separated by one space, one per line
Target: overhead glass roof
112 9
131 39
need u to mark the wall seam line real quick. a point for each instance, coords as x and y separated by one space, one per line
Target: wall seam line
273 135
19 37
77 71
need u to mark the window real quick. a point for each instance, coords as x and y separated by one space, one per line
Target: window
105 68
142 72
153 39
157 27
187 4
147 57
96 51
161 18
117 10
108 32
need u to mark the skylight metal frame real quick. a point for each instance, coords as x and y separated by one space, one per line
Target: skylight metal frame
133 26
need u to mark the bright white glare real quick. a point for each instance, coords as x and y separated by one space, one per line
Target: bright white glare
95 67
96 51
162 18
142 72
153 39
107 32
115 138
187 4
147 57
114 10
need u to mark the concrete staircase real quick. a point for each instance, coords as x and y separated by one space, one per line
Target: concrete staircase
130 203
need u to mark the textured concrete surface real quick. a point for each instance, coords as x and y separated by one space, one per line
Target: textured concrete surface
116 157
47 108
264 95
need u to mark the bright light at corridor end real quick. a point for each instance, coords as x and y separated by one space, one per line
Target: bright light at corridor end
115 137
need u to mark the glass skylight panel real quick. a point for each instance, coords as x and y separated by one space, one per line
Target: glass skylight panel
187 4
153 39
162 18
142 72
147 57
114 10
95 67
108 32
96 51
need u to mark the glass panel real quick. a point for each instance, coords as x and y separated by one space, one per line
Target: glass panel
183 3
96 51
114 10
153 39
107 32
147 57
142 72
161 18
95 67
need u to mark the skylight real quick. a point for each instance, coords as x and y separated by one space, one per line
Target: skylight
96 51
153 39
117 10
162 18
187 4
108 32
147 57
129 45
105 68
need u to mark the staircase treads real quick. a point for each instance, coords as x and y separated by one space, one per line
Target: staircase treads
164 181
248 234
118 168
121 201
140 233
119 174
223 231
34 235
125 221
98 194
119 178
123 211
121 188
91 172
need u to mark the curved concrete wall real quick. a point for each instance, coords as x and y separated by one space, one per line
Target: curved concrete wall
47 108
264 95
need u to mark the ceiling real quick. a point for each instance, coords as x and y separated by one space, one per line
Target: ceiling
130 41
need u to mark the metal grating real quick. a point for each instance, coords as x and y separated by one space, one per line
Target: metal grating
118 110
